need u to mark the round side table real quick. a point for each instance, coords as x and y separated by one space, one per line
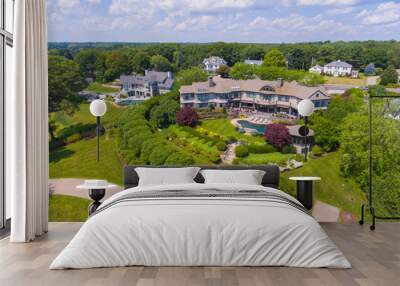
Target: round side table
96 193
305 190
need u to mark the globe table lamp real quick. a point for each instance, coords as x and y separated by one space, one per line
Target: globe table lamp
98 108
305 109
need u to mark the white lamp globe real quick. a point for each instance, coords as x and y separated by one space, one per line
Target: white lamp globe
305 107
98 107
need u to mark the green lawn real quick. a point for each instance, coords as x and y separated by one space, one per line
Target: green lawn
78 160
83 116
67 208
225 128
333 189
101 88
260 159
346 80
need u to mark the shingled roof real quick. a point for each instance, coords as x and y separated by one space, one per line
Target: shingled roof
163 79
339 64
224 85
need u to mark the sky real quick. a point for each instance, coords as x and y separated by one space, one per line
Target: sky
255 21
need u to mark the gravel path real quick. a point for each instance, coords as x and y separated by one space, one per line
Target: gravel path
229 154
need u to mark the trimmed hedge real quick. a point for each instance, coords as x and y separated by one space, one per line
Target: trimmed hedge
242 151
261 149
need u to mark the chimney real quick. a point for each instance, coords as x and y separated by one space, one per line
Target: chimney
145 72
169 74
210 81
280 82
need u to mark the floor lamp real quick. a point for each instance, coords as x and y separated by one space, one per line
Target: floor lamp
98 108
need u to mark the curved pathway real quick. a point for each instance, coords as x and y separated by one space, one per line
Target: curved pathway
229 155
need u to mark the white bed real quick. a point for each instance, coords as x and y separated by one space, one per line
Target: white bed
200 231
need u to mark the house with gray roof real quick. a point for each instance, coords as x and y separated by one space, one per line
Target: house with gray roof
253 62
211 64
338 68
143 87
252 95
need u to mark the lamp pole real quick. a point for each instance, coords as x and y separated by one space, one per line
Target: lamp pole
98 108
305 109
305 138
98 137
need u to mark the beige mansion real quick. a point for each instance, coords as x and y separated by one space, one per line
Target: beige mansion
254 94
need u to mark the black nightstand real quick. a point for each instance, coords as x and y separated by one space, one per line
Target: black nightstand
96 193
305 190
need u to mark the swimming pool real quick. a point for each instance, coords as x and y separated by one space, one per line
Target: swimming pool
259 128
126 102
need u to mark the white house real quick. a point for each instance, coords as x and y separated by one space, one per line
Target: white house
338 68
211 64
316 69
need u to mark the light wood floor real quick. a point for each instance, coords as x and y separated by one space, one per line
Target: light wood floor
375 257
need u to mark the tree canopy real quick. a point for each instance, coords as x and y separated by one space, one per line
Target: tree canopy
274 58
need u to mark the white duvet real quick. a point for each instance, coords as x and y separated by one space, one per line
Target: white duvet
200 231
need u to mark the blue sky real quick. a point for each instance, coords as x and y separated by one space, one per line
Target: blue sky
263 21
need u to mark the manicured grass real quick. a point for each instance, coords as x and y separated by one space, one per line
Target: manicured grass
260 159
333 189
101 88
345 80
78 160
67 208
225 128
83 116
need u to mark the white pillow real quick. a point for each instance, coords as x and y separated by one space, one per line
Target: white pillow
166 176
248 177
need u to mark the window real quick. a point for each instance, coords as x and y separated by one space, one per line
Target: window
6 43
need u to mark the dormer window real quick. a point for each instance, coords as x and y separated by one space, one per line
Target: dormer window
267 88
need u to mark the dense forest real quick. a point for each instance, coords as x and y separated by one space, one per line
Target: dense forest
106 60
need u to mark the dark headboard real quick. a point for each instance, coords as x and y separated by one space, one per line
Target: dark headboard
271 177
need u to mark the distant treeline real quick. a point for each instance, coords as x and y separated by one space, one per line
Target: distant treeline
299 56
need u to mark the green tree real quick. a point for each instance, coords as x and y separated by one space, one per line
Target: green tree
187 77
223 71
164 114
87 60
117 64
389 76
140 62
160 63
242 71
253 52
274 58
65 80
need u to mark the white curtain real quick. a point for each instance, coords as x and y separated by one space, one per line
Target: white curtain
27 124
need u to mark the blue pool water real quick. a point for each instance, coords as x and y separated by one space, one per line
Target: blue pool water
126 102
260 128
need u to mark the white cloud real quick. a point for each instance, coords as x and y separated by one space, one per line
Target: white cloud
68 4
258 23
193 24
341 11
94 2
385 13
326 2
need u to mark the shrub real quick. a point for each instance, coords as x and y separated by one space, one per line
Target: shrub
159 155
317 151
389 75
72 139
135 143
187 116
241 151
261 149
231 139
288 149
179 159
277 135
148 147
221 146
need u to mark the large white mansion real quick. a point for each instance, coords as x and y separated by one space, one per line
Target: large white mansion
255 94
